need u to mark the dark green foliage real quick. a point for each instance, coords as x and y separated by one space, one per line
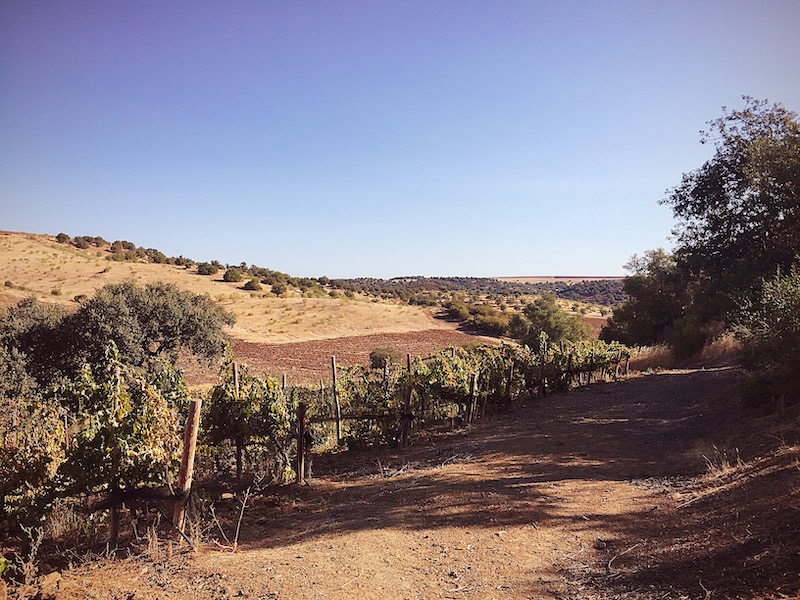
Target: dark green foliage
63 238
459 310
483 316
156 256
279 289
489 319
31 335
769 327
232 275
657 296
423 290
205 268
545 315
145 322
253 285
737 214
737 223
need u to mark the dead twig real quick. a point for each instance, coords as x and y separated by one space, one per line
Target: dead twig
360 573
616 556
239 522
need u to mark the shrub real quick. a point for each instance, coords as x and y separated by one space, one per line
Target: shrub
459 310
205 268
253 285
63 238
769 328
279 289
545 315
380 357
493 324
232 275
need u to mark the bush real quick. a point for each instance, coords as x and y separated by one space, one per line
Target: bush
279 289
770 331
205 268
63 238
545 315
380 357
253 285
459 310
232 275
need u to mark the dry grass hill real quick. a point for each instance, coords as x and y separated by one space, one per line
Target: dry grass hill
53 272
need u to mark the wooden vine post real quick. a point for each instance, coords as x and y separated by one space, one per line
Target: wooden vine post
568 379
301 442
509 383
336 403
406 416
239 439
472 399
187 463
542 357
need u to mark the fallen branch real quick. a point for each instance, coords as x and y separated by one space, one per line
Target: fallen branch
616 556
351 581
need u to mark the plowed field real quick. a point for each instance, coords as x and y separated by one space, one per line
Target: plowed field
308 362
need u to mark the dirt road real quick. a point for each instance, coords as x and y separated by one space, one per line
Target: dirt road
618 490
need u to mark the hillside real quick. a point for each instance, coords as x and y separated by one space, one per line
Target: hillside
54 272
661 486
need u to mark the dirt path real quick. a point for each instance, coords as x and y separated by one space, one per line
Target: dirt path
599 493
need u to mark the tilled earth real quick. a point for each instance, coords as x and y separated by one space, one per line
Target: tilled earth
310 361
650 487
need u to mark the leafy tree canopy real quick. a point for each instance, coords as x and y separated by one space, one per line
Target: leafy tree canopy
738 216
545 315
144 322
737 224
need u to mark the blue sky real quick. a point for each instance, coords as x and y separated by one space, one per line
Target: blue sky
375 138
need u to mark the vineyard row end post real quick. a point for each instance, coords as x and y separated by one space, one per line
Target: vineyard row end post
336 402
406 416
301 442
187 463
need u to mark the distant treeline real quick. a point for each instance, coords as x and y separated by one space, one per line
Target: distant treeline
426 290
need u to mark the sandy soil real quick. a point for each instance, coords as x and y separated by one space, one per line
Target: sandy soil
652 487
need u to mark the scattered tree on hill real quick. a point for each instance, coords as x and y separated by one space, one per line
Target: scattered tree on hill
156 320
545 315
205 268
253 285
232 275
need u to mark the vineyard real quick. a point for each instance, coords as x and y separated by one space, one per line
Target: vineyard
112 439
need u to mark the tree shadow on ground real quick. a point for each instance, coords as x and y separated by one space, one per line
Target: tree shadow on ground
658 433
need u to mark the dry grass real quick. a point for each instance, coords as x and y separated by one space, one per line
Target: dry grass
654 358
723 351
38 265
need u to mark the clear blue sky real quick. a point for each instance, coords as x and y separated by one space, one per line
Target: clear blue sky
375 138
